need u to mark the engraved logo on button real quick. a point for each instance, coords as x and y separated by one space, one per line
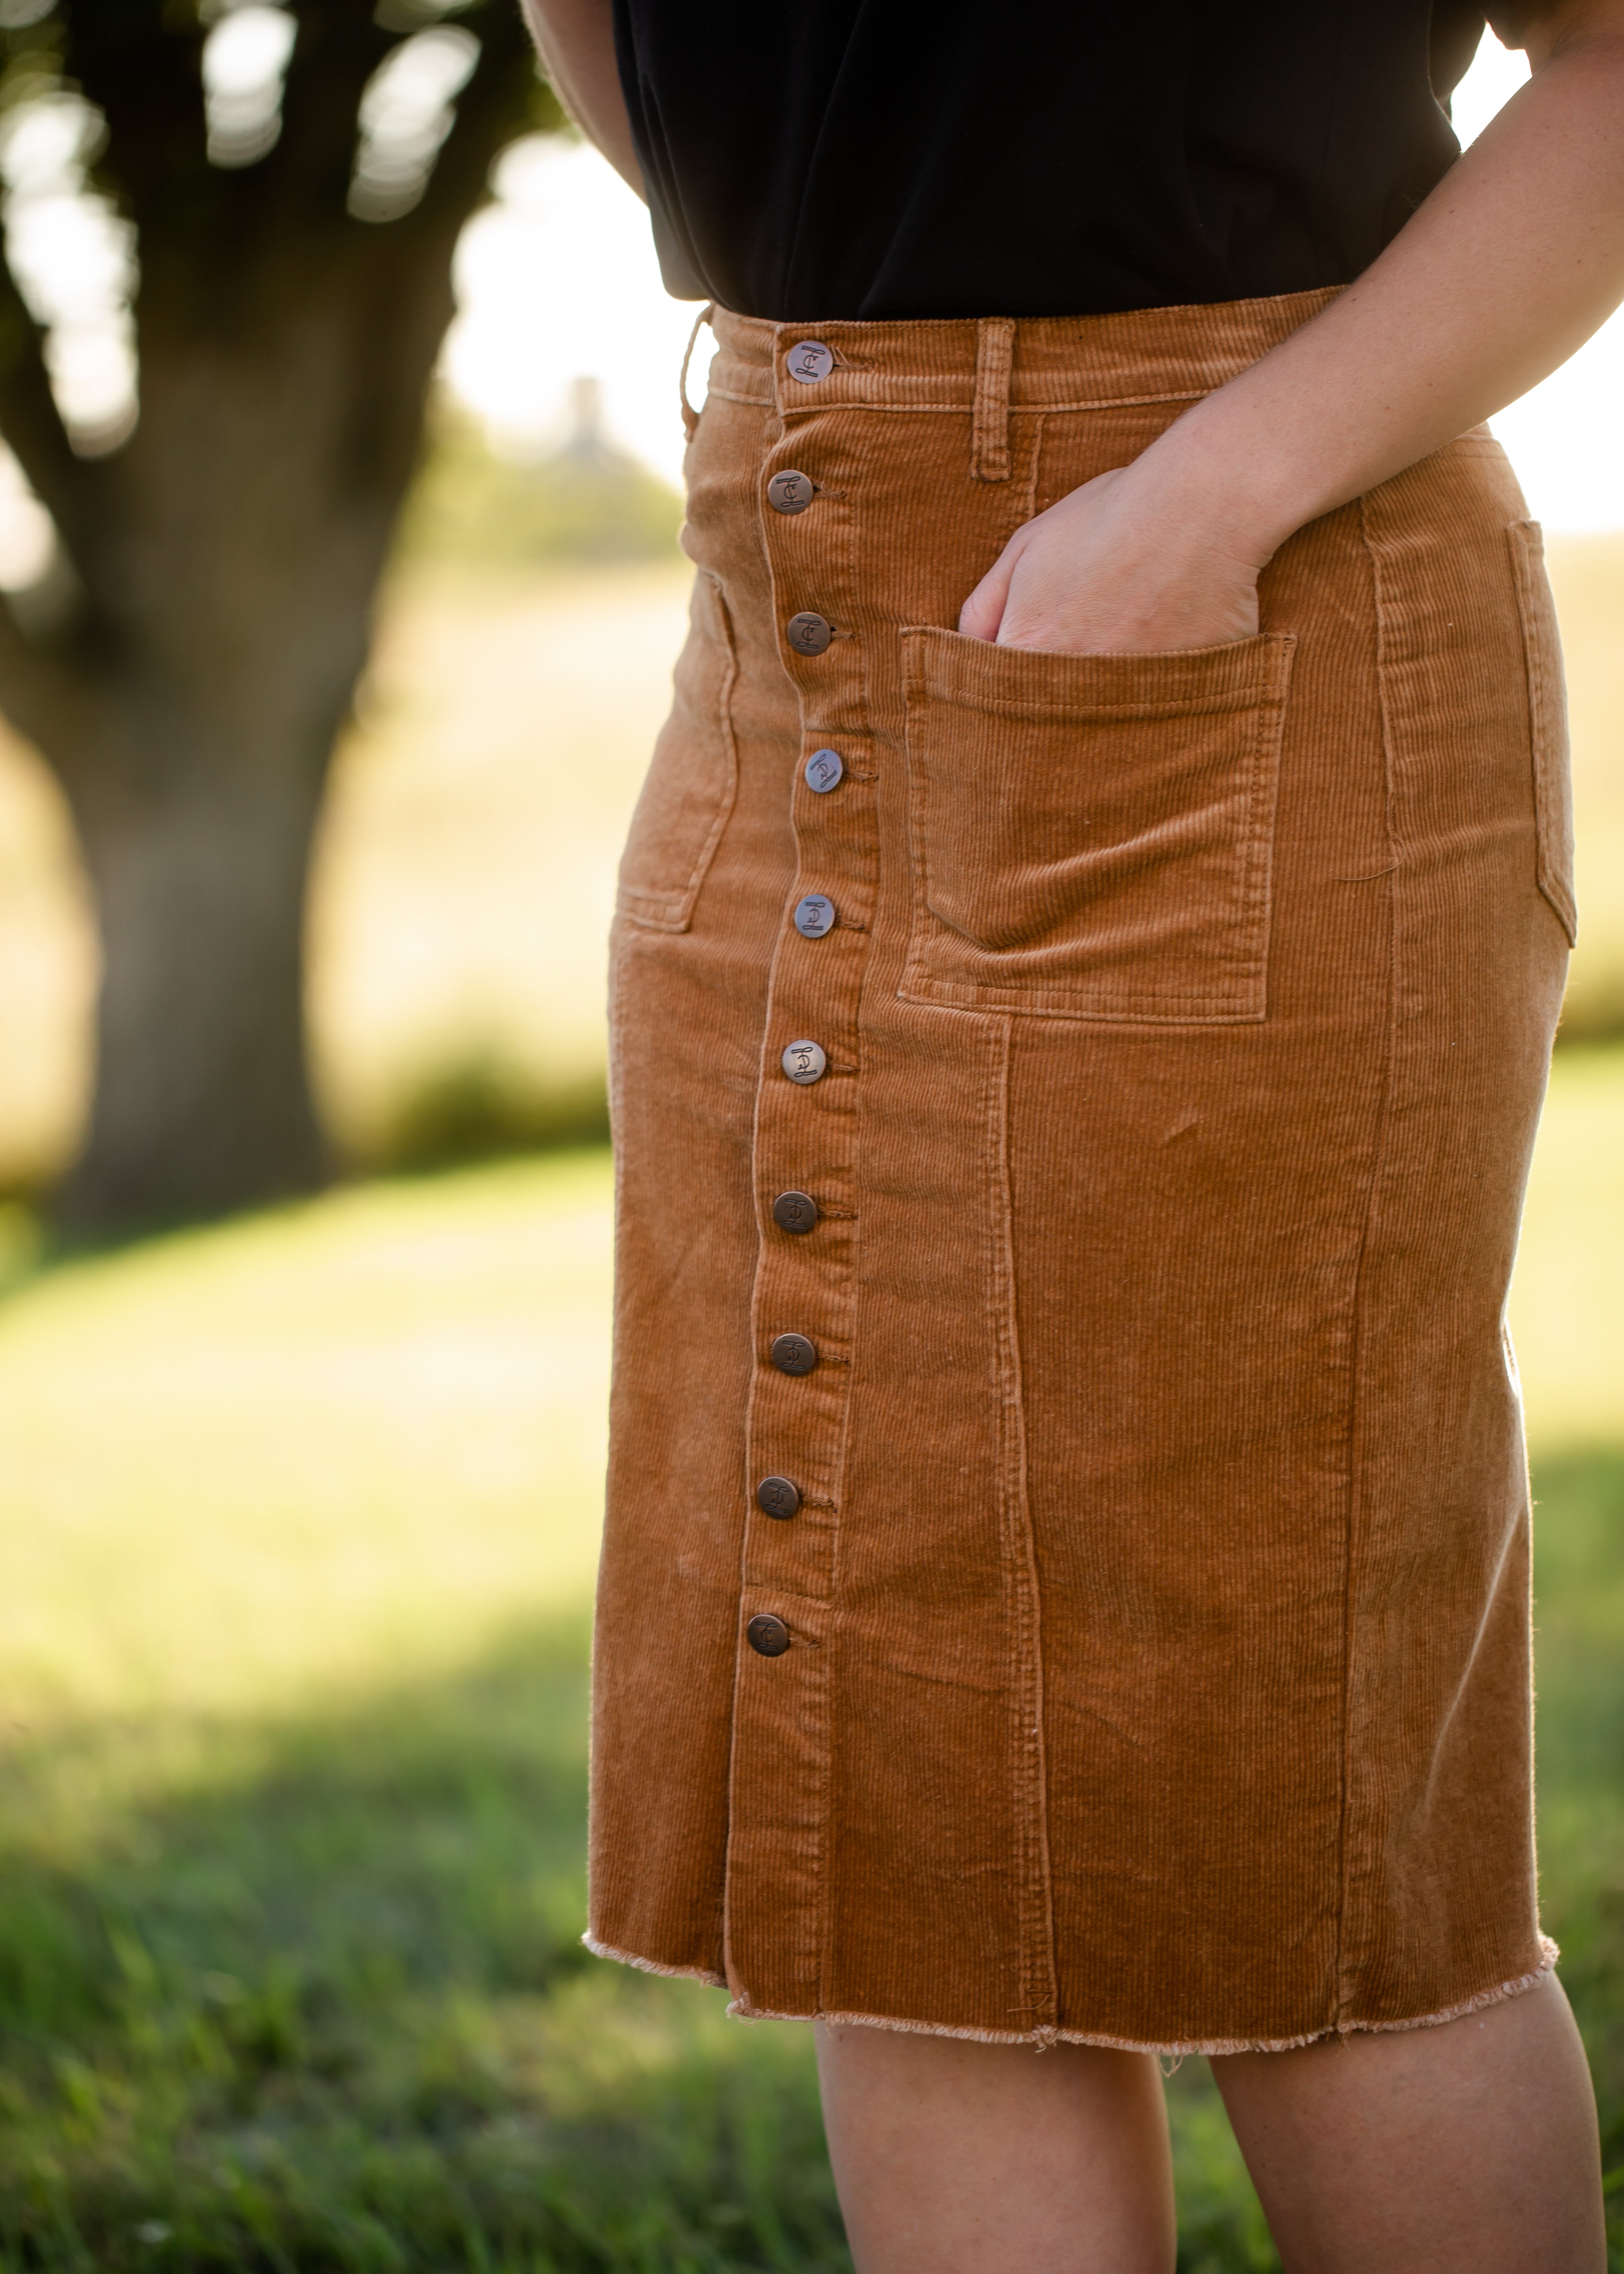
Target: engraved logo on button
814 917
789 493
808 634
794 1212
777 1496
809 360
793 1354
823 769
803 1061
768 1635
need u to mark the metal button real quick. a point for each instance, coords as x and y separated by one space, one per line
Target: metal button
794 1353
803 1061
823 769
768 1635
794 1212
808 634
815 915
790 493
777 1496
809 360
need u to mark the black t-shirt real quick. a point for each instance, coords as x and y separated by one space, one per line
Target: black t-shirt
878 158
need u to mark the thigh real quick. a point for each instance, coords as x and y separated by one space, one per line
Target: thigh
1467 2148
953 2157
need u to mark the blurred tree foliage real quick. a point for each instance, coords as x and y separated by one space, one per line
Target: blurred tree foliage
289 182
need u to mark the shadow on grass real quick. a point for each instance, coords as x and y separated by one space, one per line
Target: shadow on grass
313 1997
309 1995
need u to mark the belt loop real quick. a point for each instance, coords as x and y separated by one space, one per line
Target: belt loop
691 417
989 439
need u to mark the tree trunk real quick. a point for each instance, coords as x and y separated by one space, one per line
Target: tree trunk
234 619
225 560
201 1099
257 523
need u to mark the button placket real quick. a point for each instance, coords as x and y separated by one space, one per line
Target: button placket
806 1146
806 1125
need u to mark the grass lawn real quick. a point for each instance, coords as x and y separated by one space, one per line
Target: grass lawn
300 1519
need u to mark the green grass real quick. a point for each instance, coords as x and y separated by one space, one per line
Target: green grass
300 1520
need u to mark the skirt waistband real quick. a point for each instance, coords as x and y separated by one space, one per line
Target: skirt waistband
1046 362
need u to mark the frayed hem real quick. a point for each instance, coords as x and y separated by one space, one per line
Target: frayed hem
1041 2039
1499 1996
652 1965
1213 2048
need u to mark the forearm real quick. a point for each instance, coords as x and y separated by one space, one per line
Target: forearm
575 39
1512 262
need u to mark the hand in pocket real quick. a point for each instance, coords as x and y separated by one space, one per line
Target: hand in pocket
1125 565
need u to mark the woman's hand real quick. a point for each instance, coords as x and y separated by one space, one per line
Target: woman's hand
1119 565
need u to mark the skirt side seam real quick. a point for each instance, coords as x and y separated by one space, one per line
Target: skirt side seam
1356 1355
1037 1968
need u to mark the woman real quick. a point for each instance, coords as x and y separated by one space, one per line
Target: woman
1088 952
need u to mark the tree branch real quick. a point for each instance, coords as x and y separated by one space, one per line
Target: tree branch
32 423
43 696
505 96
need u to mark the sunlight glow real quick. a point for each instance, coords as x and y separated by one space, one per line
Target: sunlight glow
245 62
406 114
558 279
74 260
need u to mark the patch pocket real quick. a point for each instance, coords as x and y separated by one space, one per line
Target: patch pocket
1548 724
1092 835
693 776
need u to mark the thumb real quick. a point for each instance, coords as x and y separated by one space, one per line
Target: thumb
983 612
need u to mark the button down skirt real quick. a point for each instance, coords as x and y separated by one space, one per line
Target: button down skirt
1066 1567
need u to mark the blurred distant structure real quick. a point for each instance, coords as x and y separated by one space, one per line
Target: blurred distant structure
586 500
228 235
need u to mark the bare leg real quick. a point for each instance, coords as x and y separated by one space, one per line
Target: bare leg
1466 2149
957 2157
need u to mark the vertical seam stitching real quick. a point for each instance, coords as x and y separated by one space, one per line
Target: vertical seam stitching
1356 1355
1034 1896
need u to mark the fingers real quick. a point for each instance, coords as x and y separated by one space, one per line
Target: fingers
983 612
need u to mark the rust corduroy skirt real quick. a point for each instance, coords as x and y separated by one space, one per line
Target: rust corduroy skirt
1066 1570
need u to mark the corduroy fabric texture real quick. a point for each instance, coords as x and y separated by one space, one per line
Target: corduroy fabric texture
1157 1602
